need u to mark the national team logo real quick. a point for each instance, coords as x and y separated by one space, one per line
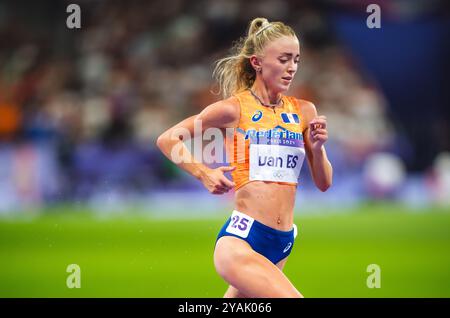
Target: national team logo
257 116
290 118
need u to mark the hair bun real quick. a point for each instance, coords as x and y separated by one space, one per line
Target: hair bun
256 25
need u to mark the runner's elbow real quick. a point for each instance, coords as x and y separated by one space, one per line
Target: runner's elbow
324 186
161 141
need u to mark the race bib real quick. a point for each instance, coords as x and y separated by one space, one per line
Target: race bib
279 161
240 224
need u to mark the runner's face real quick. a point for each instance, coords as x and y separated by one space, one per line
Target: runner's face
279 63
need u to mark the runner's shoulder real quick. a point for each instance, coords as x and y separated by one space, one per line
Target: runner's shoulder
226 111
307 109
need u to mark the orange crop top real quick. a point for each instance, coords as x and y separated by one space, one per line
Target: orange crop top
267 144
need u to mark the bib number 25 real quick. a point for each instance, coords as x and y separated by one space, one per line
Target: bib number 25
240 224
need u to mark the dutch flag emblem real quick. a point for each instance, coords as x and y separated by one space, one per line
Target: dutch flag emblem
290 118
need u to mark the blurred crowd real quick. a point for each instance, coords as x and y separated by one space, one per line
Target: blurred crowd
99 96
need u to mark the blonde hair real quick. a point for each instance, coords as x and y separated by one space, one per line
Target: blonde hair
234 73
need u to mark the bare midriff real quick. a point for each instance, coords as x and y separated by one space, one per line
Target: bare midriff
270 203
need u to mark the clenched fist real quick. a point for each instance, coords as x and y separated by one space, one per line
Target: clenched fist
215 180
318 132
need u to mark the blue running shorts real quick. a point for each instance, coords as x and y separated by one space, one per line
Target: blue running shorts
274 244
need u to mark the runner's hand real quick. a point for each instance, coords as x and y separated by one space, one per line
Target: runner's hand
318 132
215 180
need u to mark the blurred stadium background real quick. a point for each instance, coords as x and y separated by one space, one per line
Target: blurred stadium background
82 182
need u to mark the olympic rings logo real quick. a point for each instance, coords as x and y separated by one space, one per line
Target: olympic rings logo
278 174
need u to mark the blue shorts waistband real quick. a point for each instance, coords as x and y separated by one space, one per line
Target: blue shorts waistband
269 229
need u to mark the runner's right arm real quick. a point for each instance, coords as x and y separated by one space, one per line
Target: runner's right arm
223 114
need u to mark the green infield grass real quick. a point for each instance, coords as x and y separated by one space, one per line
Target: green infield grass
141 256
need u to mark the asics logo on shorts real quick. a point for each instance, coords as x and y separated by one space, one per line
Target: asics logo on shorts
287 247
